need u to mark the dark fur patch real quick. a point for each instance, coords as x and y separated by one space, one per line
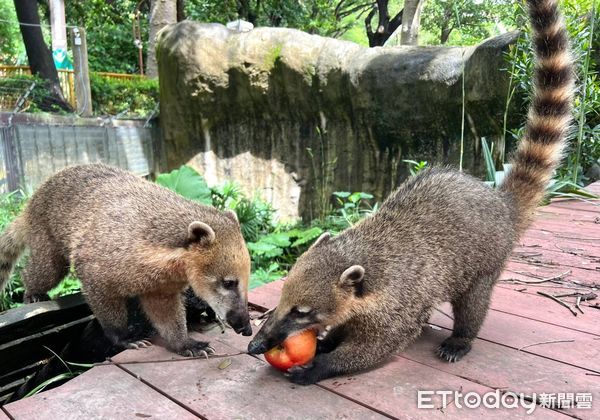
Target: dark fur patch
552 77
547 46
543 134
542 17
551 107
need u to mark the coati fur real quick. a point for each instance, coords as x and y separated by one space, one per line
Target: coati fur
442 236
127 237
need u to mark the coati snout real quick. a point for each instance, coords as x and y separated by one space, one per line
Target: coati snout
218 276
314 296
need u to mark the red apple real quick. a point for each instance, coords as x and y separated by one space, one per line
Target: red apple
296 350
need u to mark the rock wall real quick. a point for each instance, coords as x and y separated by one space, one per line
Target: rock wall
298 116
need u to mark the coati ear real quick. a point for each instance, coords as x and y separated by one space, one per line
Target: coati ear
352 276
200 232
322 239
230 214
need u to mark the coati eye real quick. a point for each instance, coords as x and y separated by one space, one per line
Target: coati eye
230 283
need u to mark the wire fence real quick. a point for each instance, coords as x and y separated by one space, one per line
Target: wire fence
13 85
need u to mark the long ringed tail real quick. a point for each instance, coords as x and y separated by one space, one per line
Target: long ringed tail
540 150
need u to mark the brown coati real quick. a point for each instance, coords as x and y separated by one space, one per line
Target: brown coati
128 237
442 236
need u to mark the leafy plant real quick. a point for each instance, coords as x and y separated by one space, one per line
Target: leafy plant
415 167
130 97
353 206
188 183
490 167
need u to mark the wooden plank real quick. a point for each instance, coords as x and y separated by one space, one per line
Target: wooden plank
565 214
41 316
497 367
583 276
394 387
247 387
559 256
590 205
513 331
539 308
594 187
102 392
266 296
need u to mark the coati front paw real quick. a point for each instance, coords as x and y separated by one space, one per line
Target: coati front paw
35 297
193 348
308 374
453 349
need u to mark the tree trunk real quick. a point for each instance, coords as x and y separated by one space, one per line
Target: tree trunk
162 13
39 55
411 21
180 10
385 25
445 34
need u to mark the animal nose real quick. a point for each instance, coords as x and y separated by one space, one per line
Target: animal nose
247 331
257 347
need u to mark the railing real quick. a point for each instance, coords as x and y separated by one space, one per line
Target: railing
66 78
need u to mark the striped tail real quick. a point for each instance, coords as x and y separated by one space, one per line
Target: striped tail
540 149
12 245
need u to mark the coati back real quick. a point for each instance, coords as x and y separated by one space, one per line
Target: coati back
442 236
129 237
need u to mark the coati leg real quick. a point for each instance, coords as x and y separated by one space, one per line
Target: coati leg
469 311
167 313
45 269
111 312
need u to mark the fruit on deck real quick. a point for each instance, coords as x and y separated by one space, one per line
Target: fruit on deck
296 350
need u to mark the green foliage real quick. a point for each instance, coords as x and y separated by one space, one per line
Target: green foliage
188 183
108 24
352 207
12 88
10 36
415 167
131 97
490 167
313 16
463 22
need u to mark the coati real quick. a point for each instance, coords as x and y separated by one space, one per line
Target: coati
127 237
441 236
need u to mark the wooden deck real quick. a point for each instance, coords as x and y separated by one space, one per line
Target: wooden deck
528 344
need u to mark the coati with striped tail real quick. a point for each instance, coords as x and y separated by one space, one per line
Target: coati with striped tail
442 236
127 237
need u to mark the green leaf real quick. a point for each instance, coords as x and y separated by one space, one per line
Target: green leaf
281 239
341 194
307 236
188 183
489 160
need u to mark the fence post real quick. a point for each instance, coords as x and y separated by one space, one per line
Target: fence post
82 73
12 163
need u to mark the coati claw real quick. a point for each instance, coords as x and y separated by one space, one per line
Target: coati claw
139 344
193 348
453 349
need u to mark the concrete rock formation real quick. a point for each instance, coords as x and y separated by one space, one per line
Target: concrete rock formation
298 116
